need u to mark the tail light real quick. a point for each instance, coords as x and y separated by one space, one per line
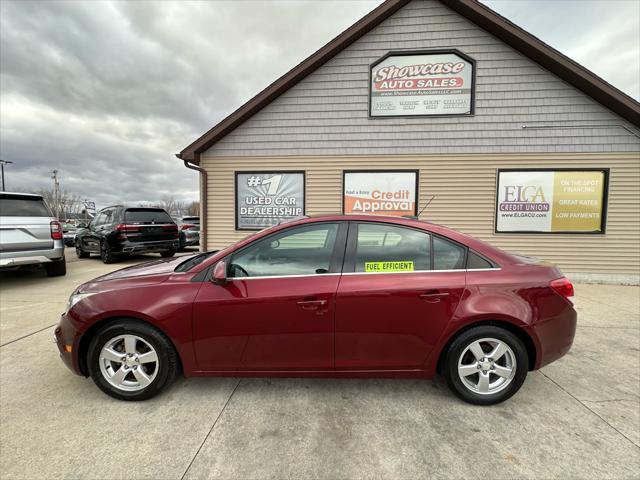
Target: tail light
56 230
121 227
185 226
563 287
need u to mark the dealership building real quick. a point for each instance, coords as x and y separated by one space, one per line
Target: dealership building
445 109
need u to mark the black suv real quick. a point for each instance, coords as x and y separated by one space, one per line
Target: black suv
118 230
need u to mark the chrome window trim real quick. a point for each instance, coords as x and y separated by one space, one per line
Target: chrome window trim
230 279
284 276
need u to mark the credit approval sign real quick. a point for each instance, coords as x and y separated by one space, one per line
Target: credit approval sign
551 201
385 192
421 83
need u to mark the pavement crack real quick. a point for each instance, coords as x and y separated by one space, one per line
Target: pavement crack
587 407
211 429
27 335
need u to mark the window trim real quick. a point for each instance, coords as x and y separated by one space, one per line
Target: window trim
335 263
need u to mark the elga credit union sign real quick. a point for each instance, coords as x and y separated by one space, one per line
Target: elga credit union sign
560 201
264 199
380 192
415 84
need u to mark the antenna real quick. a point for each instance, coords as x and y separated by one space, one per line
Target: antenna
426 205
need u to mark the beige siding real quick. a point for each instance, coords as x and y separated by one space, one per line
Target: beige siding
464 187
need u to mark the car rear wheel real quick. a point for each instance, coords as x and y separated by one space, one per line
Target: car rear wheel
486 365
56 269
106 254
130 360
168 253
80 253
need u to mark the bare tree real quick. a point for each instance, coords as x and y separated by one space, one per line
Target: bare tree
66 203
173 207
194 209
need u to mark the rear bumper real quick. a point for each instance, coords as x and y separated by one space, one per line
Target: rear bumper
32 257
147 247
555 336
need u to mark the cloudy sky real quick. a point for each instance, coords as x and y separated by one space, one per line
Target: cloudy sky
108 91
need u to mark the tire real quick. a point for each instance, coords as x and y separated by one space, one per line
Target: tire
168 253
505 373
106 254
106 373
56 269
80 253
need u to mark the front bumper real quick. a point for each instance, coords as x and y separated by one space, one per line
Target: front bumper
67 339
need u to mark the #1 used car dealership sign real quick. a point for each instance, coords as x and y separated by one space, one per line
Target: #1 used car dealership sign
264 199
422 83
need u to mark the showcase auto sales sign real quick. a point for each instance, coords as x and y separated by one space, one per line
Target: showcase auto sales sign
425 84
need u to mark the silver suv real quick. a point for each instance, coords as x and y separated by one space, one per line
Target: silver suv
29 234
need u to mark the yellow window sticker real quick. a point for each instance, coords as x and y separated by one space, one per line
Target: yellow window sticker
388 266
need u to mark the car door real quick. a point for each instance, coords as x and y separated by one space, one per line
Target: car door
276 311
89 237
392 305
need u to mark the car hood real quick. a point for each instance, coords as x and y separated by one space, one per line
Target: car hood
153 268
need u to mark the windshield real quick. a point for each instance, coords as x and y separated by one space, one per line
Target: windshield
146 215
193 261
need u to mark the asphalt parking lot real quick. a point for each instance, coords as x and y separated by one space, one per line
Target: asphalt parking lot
577 418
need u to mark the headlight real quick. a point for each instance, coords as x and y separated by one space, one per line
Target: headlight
75 298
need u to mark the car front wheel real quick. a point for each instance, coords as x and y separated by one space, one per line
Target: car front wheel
168 253
486 365
130 360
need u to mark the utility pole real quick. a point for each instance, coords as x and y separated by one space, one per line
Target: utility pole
56 201
2 164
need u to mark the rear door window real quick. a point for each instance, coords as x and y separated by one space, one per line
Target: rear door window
146 216
389 248
447 255
11 206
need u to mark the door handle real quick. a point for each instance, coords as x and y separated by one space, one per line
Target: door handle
433 296
317 305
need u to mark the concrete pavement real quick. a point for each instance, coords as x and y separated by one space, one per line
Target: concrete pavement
578 417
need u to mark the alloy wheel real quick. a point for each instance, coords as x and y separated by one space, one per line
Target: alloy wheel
128 362
487 366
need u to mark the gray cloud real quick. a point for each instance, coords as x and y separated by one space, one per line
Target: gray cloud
107 92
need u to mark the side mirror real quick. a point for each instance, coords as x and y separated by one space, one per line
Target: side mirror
219 276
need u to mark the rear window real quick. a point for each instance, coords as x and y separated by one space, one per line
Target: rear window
191 220
146 216
23 207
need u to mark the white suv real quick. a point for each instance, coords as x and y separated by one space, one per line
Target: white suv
29 234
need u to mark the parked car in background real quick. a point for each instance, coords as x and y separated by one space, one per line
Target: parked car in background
29 234
118 231
189 231
69 234
333 296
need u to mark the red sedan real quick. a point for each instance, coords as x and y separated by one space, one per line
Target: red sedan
334 296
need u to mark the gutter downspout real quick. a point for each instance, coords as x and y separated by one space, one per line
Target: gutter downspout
203 199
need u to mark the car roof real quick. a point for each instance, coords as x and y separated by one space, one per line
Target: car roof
18 194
